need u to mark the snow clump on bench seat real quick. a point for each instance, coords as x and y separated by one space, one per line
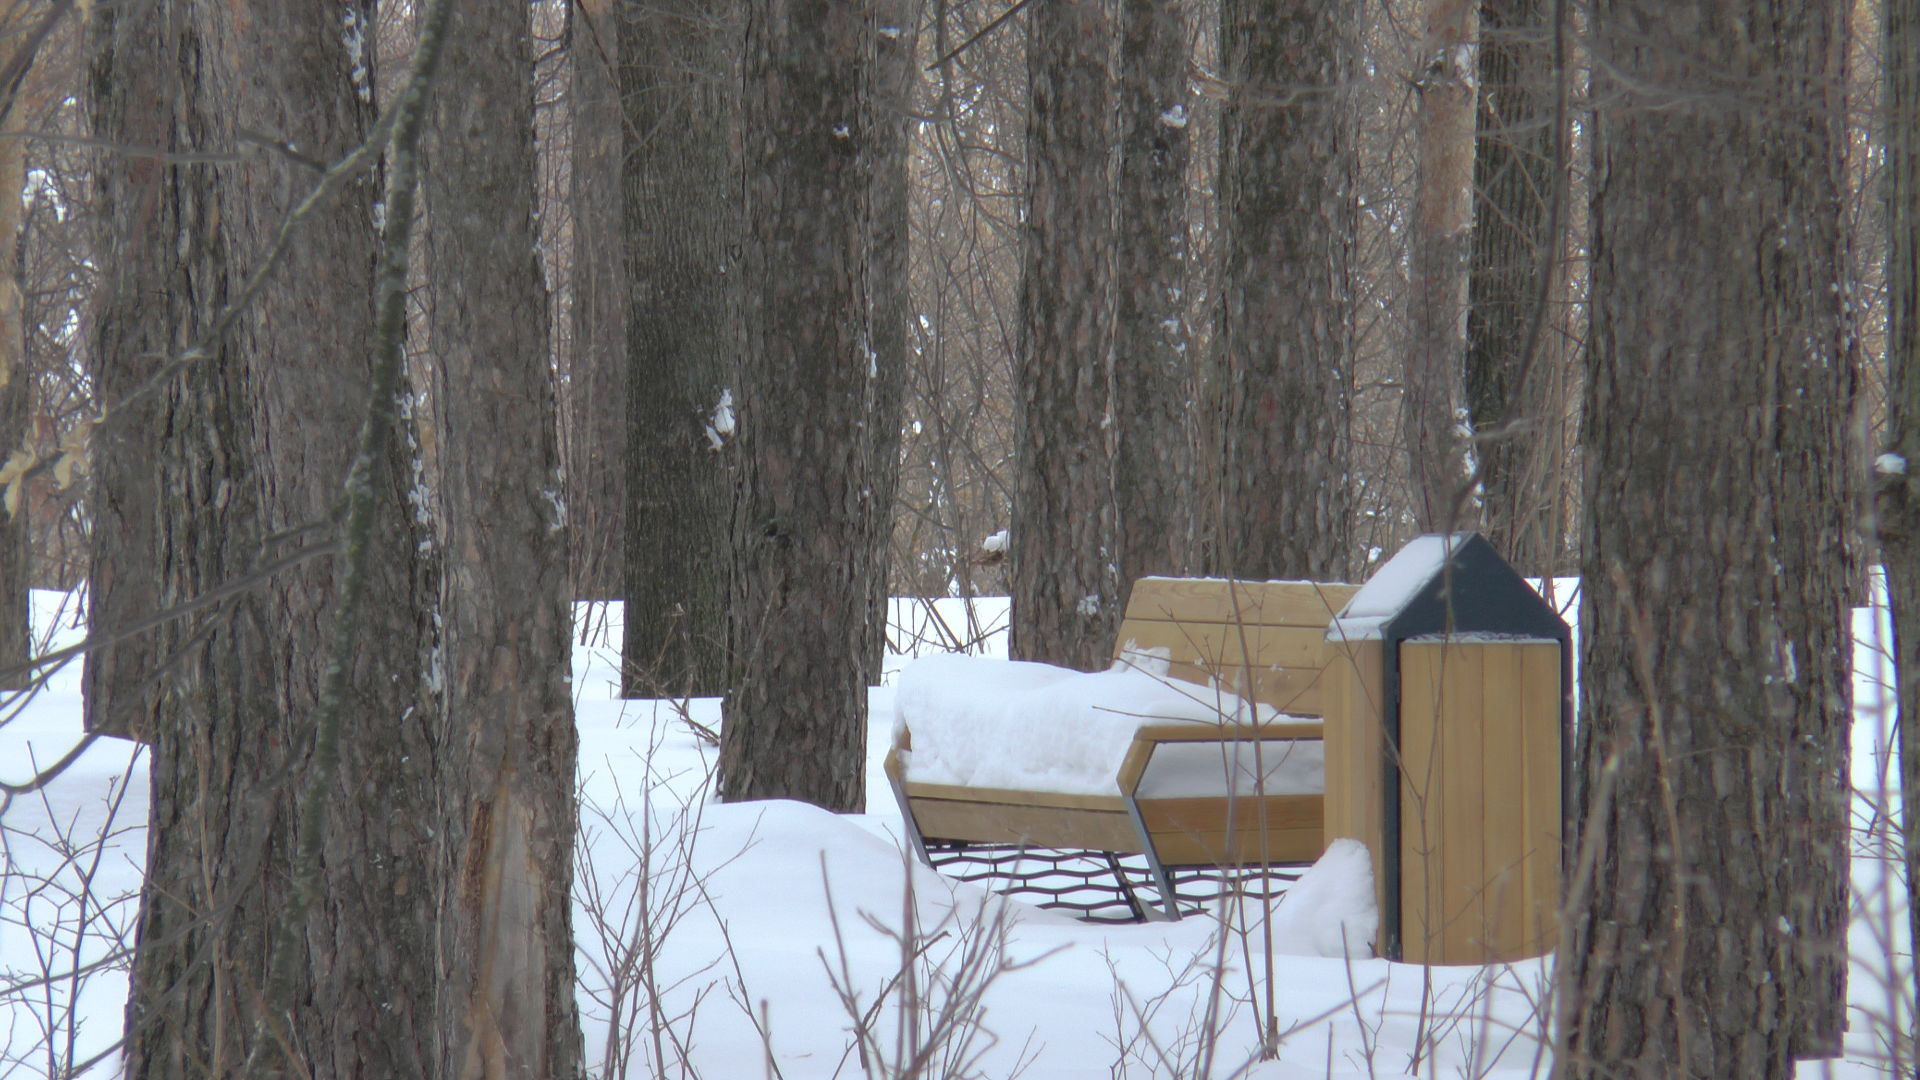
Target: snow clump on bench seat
977 722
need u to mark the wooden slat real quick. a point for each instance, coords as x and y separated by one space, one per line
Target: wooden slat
1039 826
1275 829
1297 691
1227 732
1540 689
1278 847
1467 919
1281 603
1355 801
1223 648
962 793
1277 666
1248 814
1503 744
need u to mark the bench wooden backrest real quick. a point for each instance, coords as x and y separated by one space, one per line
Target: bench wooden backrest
1263 639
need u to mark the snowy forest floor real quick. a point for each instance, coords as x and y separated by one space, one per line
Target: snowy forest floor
775 939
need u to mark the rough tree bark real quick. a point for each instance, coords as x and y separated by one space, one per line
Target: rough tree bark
1810 356
808 535
893 87
507 742
1287 158
16 394
132 99
682 207
1153 469
1514 285
1434 397
250 444
1066 600
1702 941
596 364
1897 502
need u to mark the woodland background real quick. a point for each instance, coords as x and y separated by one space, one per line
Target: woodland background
356 341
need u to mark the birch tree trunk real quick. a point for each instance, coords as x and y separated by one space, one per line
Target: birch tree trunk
1441 232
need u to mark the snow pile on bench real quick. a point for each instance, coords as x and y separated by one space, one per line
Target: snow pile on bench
1013 724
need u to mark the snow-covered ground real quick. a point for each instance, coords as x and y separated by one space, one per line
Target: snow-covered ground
778 932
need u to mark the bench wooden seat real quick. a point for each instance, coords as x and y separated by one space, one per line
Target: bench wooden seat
1263 640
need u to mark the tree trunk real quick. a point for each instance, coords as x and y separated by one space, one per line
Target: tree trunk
1153 471
250 449
1701 941
1434 397
1897 502
310 343
1287 161
596 388
1813 365
148 93
507 738
134 86
1066 594
806 528
1515 285
16 398
682 231
892 92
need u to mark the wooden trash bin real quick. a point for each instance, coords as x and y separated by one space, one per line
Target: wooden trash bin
1448 707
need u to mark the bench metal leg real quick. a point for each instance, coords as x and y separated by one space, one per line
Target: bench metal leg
1139 913
1168 901
906 815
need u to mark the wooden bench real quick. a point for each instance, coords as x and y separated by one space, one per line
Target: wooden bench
1263 640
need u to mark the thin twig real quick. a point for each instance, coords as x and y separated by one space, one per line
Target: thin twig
998 21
